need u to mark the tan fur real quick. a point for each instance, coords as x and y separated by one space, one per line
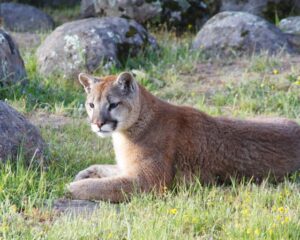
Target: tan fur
167 140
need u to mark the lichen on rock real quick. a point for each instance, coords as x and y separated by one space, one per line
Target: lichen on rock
86 45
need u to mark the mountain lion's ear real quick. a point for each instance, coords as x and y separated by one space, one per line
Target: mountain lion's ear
87 81
126 83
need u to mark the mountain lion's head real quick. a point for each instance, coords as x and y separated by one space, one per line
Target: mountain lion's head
112 102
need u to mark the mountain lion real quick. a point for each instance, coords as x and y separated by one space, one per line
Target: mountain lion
154 141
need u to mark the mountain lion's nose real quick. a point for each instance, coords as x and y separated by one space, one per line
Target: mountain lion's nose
98 123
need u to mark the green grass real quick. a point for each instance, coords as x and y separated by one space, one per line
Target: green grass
63 14
42 92
242 211
259 98
237 211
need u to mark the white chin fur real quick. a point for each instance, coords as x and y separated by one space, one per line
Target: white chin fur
95 128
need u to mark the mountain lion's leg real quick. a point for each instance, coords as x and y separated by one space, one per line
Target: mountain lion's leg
114 189
98 171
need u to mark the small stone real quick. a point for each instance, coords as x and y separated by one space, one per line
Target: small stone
75 207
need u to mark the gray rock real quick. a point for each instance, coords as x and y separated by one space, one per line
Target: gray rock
17 134
237 33
185 15
12 68
48 3
264 8
57 3
294 40
179 14
139 10
75 207
290 25
24 18
85 45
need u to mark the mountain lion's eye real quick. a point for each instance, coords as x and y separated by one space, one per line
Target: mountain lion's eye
91 105
113 105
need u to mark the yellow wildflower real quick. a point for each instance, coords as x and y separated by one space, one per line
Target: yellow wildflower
270 231
297 82
281 210
248 231
245 212
286 220
110 235
257 232
173 211
275 71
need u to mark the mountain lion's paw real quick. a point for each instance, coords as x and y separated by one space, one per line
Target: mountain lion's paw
90 172
76 191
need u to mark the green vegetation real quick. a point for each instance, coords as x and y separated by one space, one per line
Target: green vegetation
245 87
63 14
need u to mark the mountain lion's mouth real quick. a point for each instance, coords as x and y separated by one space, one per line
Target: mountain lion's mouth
104 131
109 127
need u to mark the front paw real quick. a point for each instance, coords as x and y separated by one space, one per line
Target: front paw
90 172
76 190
